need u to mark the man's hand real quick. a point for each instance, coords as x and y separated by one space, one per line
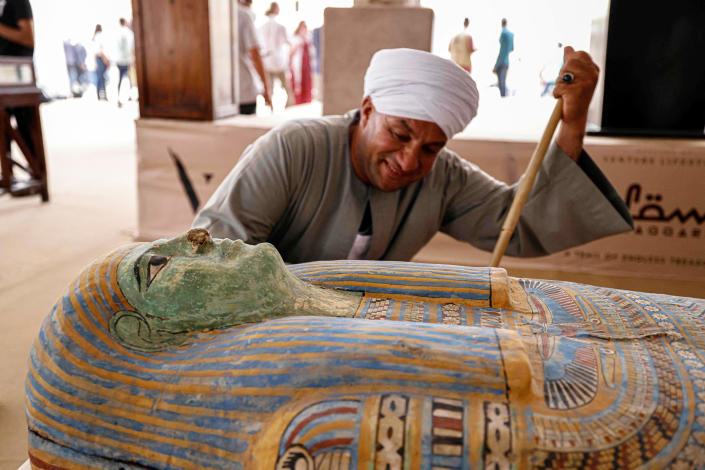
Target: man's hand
576 99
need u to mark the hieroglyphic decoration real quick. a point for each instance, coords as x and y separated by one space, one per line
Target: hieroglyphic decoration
415 311
390 433
373 308
322 435
452 314
498 436
491 318
377 309
575 383
448 425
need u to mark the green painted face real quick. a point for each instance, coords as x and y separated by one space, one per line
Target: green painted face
177 286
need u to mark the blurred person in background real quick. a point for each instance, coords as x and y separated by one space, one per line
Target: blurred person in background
461 47
317 38
102 62
301 57
506 45
17 40
125 55
76 55
274 51
249 61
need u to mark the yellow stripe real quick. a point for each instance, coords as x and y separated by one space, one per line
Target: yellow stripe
360 308
330 426
106 266
146 403
93 351
104 441
396 278
396 311
341 269
206 338
130 413
138 435
207 389
367 445
55 460
67 327
454 359
101 335
89 291
421 288
119 254
431 300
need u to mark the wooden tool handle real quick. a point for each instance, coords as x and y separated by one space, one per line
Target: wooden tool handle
527 182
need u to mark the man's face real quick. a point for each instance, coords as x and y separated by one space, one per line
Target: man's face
390 152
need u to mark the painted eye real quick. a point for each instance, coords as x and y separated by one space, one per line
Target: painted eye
156 264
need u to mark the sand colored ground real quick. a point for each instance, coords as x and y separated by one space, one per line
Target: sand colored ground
91 163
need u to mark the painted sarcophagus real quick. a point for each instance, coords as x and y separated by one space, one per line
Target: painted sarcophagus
200 353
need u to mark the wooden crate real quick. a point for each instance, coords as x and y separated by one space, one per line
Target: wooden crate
186 56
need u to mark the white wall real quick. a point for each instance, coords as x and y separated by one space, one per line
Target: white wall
55 21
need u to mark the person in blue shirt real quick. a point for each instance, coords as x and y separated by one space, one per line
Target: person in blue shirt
506 45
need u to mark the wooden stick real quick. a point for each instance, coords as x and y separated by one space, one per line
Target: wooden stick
527 182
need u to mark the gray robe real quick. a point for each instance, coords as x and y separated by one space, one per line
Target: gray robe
295 187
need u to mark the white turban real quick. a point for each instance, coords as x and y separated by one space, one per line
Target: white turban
419 85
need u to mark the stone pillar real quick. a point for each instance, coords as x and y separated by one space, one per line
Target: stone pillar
352 35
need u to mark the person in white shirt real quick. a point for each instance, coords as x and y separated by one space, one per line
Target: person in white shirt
275 58
249 61
125 54
102 62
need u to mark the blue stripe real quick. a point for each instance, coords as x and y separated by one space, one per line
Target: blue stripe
264 404
447 461
228 444
293 379
81 445
205 351
347 333
334 434
382 266
318 408
391 282
51 448
450 295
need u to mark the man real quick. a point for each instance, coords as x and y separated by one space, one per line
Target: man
274 57
378 183
461 48
249 60
506 45
125 54
17 40
75 65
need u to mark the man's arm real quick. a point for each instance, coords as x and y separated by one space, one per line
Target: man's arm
23 34
576 99
567 206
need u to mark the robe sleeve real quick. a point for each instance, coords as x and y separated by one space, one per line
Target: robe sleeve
253 197
570 204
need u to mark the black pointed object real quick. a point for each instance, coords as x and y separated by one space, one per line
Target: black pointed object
185 180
